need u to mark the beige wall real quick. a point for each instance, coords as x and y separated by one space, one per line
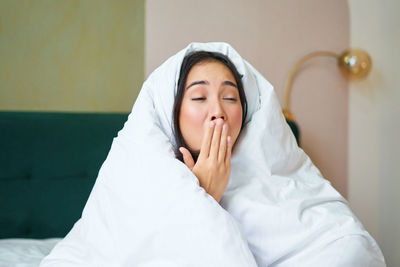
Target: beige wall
272 35
71 55
374 125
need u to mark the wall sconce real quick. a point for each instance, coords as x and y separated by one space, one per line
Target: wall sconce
353 63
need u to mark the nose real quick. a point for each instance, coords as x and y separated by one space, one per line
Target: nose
217 112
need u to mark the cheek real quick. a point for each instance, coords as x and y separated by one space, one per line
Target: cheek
191 122
191 116
235 121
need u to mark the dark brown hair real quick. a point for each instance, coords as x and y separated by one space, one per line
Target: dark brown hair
188 62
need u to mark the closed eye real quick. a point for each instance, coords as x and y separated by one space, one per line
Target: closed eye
231 99
198 98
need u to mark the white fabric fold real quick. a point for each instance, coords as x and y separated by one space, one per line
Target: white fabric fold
147 208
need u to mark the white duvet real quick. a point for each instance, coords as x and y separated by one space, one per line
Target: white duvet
21 252
147 208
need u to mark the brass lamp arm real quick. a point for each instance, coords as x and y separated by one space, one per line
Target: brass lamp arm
354 63
289 80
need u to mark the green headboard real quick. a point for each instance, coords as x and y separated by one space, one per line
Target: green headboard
48 165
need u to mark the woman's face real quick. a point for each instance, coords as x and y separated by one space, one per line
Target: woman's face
210 94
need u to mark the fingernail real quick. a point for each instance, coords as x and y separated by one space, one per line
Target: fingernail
180 149
224 127
219 122
229 139
211 124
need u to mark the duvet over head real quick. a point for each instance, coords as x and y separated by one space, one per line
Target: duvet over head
148 209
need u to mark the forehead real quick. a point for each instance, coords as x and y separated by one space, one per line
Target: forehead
210 70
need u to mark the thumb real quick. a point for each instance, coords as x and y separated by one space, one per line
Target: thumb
187 157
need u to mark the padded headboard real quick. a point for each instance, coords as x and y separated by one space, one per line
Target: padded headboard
48 165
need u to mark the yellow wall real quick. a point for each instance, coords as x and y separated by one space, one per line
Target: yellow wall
71 55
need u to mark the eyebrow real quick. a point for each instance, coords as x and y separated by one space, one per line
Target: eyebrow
207 83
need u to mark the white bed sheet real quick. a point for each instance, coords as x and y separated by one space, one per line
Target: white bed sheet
23 252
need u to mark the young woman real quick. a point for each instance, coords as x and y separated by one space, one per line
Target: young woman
209 111
244 195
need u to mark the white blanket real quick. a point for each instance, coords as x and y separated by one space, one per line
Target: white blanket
21 252
147 208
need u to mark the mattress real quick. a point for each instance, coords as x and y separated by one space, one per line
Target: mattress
25 252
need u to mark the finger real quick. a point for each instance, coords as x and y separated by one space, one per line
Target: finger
229 152
216 138
187 157
224 144
206 142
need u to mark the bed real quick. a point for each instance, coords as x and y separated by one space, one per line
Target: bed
48 164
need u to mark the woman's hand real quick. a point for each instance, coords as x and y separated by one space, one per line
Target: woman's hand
213 166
